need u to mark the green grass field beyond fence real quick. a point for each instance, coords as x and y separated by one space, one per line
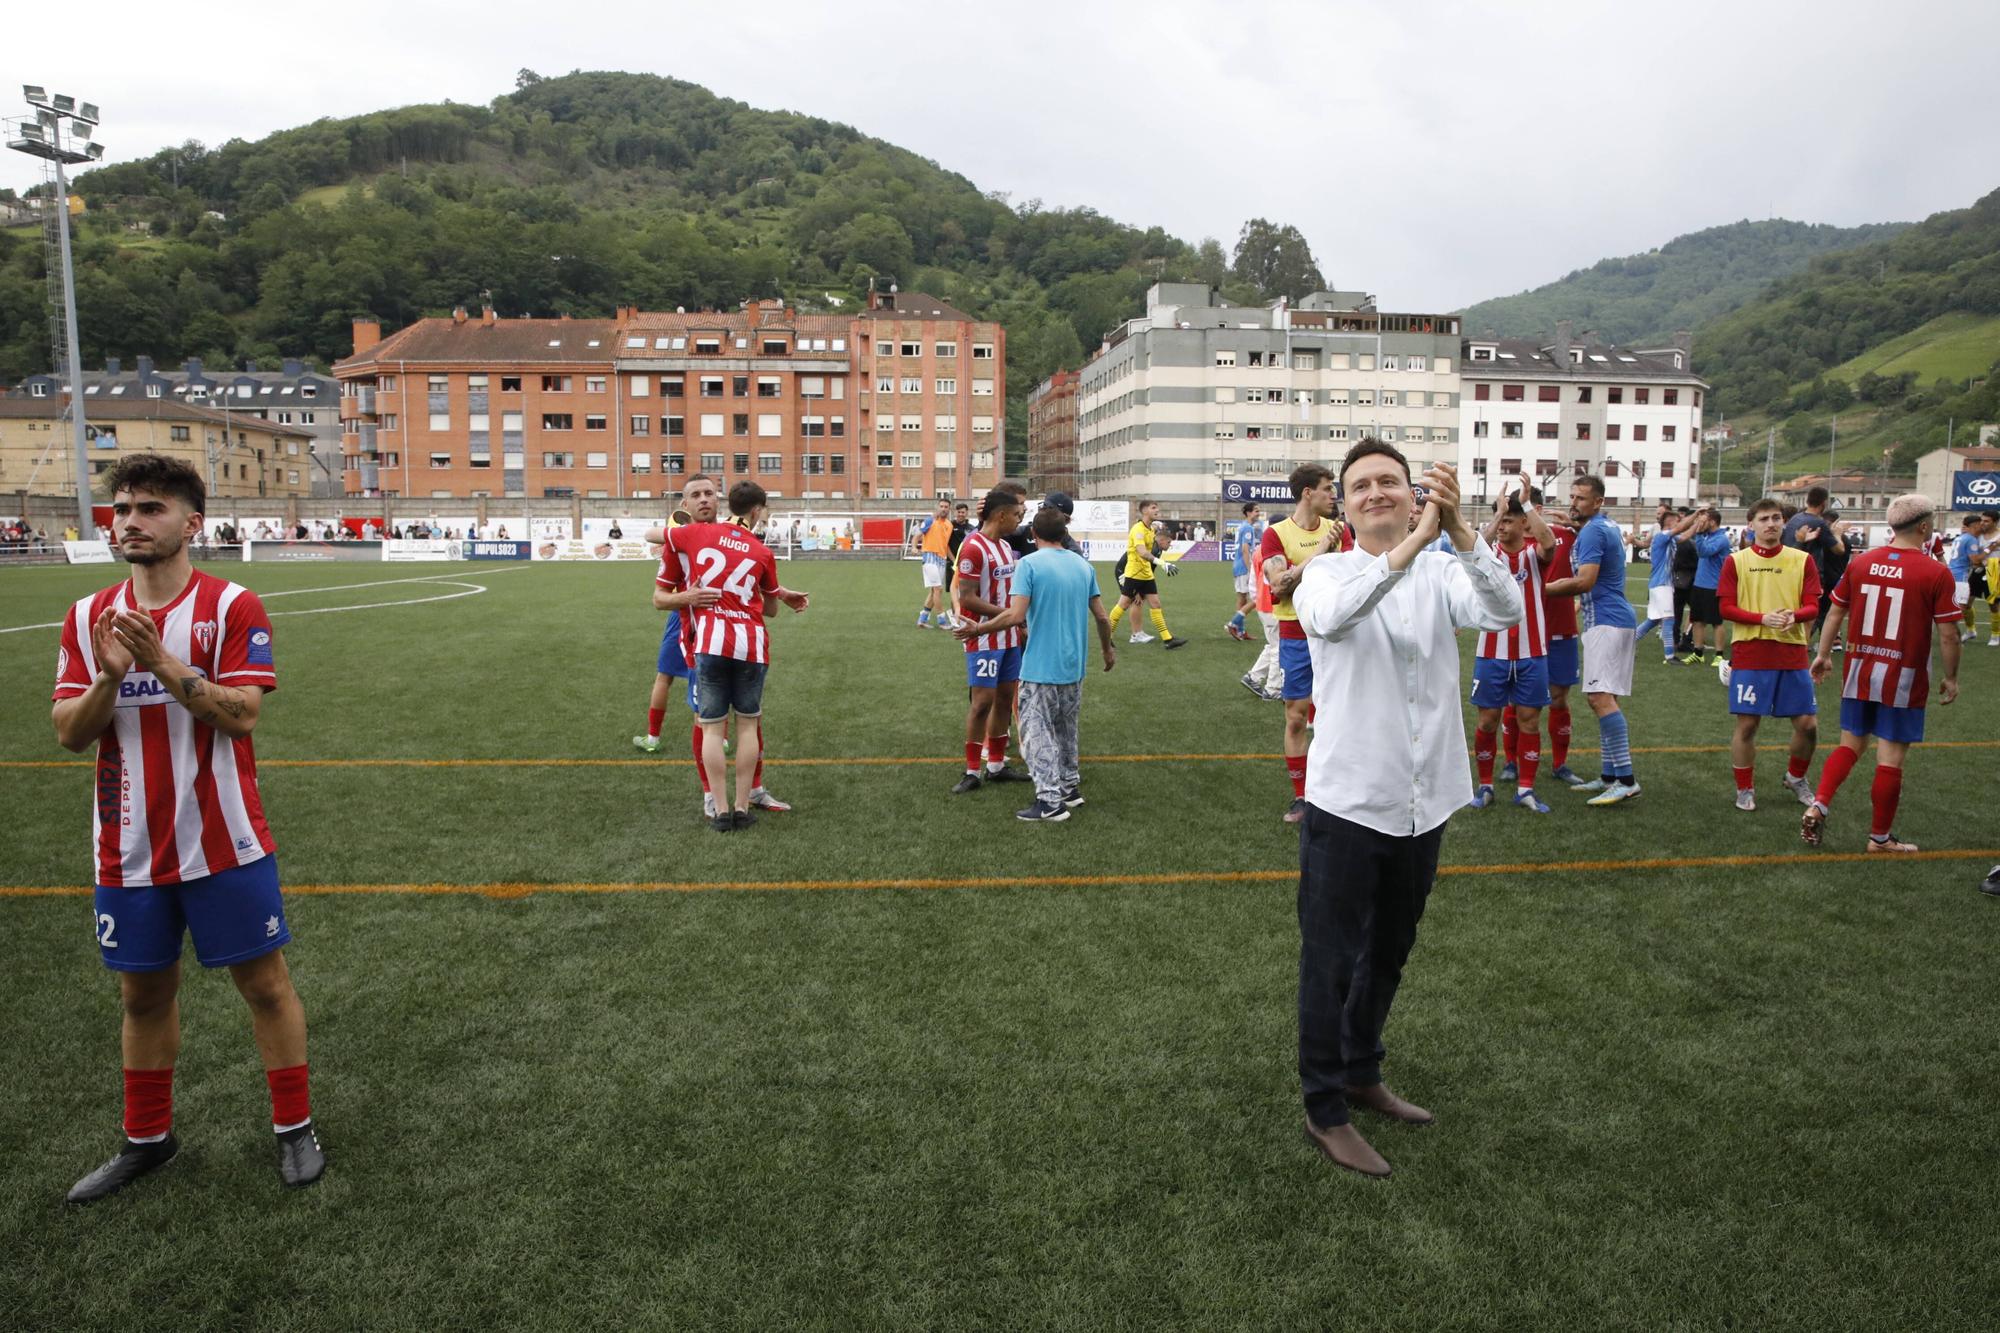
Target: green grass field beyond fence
1957 346
1755 1091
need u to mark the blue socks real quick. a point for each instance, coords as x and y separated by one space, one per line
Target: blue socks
1236 622
1615 740
924 616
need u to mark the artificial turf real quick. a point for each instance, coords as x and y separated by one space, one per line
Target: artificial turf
1754 1095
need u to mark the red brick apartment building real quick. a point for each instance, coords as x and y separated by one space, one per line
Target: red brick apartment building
1052 435
905 399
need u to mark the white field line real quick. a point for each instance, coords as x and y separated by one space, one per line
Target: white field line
471 590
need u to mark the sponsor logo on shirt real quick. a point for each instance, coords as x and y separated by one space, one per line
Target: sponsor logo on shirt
141 689
260 647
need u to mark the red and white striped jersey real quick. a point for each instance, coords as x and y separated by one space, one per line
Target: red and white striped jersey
1559 613
1893 598
986 570
734 562
1530 638
176 799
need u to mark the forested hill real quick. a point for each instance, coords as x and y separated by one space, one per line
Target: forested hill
576 195
1685 284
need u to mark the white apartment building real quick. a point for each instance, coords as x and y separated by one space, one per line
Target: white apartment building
1197 389
1564 408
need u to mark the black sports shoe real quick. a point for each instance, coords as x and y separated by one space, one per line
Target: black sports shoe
970 782
1296 811
300 1158
1176 643
742 819
1073 798
1005 774
723 821
133 1160
1991 884
1038 813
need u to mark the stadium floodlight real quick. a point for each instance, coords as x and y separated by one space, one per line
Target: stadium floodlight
43 137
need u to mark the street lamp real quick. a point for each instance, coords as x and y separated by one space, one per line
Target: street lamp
41 135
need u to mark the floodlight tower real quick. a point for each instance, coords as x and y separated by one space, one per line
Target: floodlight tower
40 134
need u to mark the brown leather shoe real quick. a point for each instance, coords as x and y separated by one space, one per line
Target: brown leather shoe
1344 1147
1377 1098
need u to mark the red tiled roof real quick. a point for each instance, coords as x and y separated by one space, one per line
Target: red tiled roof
504 340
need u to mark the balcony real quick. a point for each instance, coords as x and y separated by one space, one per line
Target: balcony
360 403
364 439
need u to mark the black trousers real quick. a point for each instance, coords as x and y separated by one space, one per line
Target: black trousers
1684 618
1361 894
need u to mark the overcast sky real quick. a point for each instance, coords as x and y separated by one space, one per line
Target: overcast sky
1434 154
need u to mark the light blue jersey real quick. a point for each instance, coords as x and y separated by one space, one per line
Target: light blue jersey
1601 543
1249 538
1661 572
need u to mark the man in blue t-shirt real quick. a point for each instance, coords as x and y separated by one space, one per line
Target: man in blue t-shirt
1609 634
1660 613
1054 594
1249 538
1712 546
1960 558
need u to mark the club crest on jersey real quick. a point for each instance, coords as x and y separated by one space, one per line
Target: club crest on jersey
204 634
62 663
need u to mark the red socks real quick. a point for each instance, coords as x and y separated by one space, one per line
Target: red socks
1745 777
996 749
1838 765
1559 735
972 749
1482 752
149 1104
699 767
1531 758
1510 733
654 716
1796 767
1887 791
1295 764
291 1106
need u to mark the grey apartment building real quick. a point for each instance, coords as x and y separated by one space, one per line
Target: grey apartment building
294 395
1198 388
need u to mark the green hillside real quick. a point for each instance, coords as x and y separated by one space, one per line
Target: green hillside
1686 283
576 195
1954 347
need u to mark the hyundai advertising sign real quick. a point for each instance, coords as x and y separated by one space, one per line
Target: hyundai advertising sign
1975 490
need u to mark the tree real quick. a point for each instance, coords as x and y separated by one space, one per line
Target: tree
1276 261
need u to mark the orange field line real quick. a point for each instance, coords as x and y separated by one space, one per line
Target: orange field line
522 889
875 761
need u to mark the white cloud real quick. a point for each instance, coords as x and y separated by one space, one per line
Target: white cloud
1433 154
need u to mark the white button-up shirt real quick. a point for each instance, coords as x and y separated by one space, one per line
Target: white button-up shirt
1388 747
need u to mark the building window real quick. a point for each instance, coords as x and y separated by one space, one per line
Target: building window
1388 397
913 460
676 464
1666 471
773 346
673 386
711 386
708 347
1583 394
558 460
739 386
711 423
1225 432
741 463
1638 433
885 460
838 427
945 351
557 421
642 465
1614 394
555 384
912 384
1478 430
1225 358
1670 397
1583 430
911 349
594 421
947 386
1613 431
1510 430
1641 395
768 386
1513 393
770 464
1667 433
593 384
440 460
1545 467
815 464
770 424
1610 467
177 432
642 425
982 351
510 384
739 423
885 349
1545 430
1510 466
711 463
1548 393
1391 363
675 425
1415 362
1482 393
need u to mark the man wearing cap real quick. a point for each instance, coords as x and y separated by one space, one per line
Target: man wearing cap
1022 539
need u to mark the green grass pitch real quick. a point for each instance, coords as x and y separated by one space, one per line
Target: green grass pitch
1755 1095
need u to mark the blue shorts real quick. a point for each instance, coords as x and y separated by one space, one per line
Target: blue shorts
1295 660
1772 693
1865 717
1521 681
726 686
234 916
993 667
672 663
1565 666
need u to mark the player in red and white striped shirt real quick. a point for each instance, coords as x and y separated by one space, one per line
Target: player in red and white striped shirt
1510 669
992 661
1889 599
726 638
166 673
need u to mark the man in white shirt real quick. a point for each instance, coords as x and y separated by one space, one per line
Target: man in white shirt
1386 769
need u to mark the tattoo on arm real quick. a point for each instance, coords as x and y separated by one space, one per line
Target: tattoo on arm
193 688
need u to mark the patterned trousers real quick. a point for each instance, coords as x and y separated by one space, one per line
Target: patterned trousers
1049 717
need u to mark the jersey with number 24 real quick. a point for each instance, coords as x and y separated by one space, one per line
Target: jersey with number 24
735 563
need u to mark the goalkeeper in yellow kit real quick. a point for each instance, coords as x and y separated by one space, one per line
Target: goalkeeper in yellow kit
1144 553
